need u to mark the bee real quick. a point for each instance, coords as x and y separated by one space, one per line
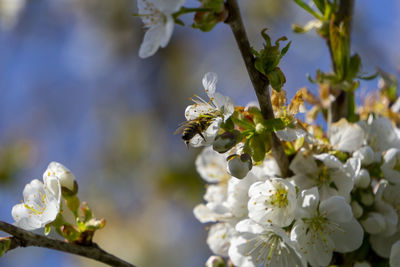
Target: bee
196 126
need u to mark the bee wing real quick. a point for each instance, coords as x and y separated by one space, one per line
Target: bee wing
181 126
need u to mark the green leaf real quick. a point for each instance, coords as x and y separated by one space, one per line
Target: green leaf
320 4
308 9
277 79
275 124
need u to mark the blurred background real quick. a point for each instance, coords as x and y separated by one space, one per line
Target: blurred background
73 90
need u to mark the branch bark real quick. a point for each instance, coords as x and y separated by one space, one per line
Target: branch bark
23 238
260 83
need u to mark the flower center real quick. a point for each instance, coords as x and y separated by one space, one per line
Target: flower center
279 198
152 15
37 209
324 177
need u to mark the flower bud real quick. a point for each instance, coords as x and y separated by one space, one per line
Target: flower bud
374 223
239 166
66 177
367 199
224 142
215 261
357 209
366 154
363 179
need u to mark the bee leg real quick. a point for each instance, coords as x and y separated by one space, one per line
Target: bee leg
202 136
187 144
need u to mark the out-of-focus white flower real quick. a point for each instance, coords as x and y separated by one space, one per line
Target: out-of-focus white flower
212 165
331 177
356 209
391 165
41 204
365 154
272 202
157 17
9 12
324 227
219 238
394 259
219 108
257 245
66 177
346 136
290 134
380 134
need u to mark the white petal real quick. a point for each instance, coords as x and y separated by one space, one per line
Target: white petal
219 238
290 134
336 209
308 203
394 259
210 80
345 136
304 163
152 41
249 226
211 166
348 236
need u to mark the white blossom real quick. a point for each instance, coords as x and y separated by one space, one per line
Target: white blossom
219 237
258 245
66 177
157 18
324 227
272 202
218 109
346 136
330 175
40 206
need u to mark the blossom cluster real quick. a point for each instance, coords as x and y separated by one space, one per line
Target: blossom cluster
43 207
341 196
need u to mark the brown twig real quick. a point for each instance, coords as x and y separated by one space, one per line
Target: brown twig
260 83
23 238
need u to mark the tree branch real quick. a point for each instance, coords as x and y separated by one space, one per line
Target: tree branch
23 238
260 83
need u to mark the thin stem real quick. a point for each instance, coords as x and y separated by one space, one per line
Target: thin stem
23 238
260 83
